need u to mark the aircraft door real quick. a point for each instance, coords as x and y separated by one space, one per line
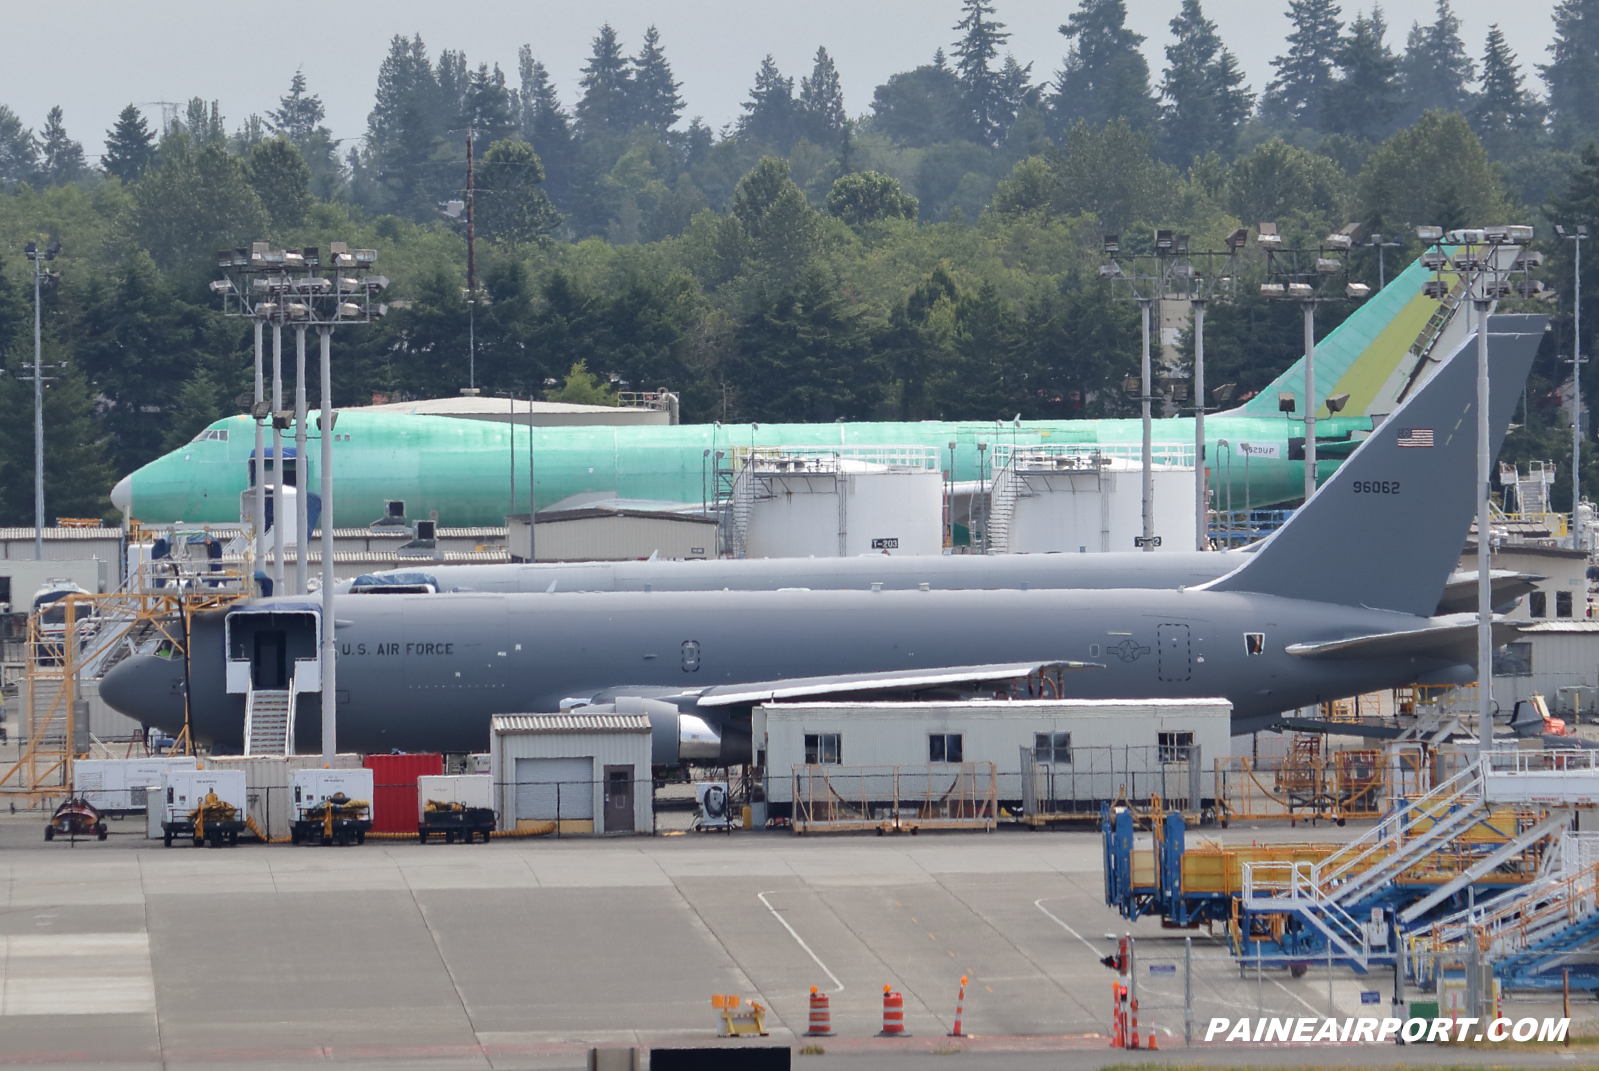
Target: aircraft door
269 668
1173 661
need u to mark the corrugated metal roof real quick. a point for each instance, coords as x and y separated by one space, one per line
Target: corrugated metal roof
570 723
7 534
1563 626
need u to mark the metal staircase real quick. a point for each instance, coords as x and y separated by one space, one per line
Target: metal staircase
1009 485
269 721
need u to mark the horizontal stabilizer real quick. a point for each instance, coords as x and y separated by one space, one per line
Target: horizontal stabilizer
1506 587
911 680
1451 642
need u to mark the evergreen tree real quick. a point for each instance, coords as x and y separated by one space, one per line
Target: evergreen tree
545 124
297 116
405 131
655 103
772 113
1504 113
196 202
76 475
921 107
1572 73
1016 91
204 123
486 104
606 82
804 355
280 177
1105 76
450 72
1437 71
196 410
821 101
1206 100
62 157
129 146
1367 96
1294 96
19 150
513 209
1434 172
981 39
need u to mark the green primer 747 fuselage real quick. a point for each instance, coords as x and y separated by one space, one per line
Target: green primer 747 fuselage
464 468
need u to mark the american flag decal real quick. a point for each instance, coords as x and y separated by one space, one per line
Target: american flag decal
1415 437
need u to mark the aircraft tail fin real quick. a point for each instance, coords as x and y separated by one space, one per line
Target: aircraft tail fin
1388 527
1363 355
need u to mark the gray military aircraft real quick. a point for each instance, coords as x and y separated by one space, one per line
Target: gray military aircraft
1339 601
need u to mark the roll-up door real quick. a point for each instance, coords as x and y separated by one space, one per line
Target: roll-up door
537 794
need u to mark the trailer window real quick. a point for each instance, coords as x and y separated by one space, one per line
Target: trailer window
1053 747
1538 604
1562 604
822 749
1175 747
944 747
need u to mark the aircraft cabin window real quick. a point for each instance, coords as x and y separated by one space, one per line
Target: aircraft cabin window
1093 650
1053 747
1538 604
1562 604
944 747
1254 643
1174 747
822 749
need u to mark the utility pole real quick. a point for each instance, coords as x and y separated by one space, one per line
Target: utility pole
471 264
1576 368
35 254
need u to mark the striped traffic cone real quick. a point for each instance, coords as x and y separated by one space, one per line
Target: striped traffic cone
821 1016
960 1005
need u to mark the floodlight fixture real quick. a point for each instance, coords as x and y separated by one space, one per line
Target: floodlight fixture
366 257
1560 232
1163 241
375 283
1132 385
1498 235
1224 393
1582 230
222 286
293 260
1433 260
1301 291
1237 239
1356 291
297 310
1529 288
311 257
1336 402
1272 291
53 250
1286 402
1338 241
1436 289
1180 245
31 250
1267 236
1113 243
1329 266
1528 260
1469 236
1430 234
348 310
1110 271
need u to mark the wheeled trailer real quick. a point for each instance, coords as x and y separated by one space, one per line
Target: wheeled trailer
456 822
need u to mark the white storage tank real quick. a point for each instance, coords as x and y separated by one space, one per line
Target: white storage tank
799 502
1060 500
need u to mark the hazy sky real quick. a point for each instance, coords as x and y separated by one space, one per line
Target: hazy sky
95 56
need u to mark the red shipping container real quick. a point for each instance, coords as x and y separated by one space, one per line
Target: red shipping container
394 789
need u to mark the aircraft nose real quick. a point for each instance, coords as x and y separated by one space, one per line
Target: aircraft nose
148 689
122 496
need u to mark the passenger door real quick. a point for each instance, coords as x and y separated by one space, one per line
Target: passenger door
1173 662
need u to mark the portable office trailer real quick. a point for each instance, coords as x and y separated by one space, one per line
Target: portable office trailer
581 773
118 786
1103 737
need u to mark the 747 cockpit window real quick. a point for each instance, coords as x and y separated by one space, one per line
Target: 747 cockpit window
211 435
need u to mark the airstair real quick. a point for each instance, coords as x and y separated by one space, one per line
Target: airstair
269 721
1009 485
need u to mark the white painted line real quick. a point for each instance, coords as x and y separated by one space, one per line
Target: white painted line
1040 905
838 987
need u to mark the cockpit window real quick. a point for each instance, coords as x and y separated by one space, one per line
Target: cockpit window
394 584
211 435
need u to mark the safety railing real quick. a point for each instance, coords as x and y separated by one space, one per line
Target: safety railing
1338 786
1072 783
894 798
1047 456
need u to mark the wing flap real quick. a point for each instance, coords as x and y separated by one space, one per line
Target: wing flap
854 684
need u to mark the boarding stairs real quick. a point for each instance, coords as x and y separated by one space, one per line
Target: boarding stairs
269 721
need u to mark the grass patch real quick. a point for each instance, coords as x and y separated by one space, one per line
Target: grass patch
812 1050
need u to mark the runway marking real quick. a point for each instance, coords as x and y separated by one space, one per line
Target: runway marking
838 986
1040 905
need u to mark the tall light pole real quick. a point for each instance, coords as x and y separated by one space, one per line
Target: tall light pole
302 471
1382 248
278 520
323 302
35 254
1201 286
1306 277
1147 543
1576 367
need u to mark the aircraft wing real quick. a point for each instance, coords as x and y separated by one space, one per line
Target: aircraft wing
1456 642
942 678
1506 586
